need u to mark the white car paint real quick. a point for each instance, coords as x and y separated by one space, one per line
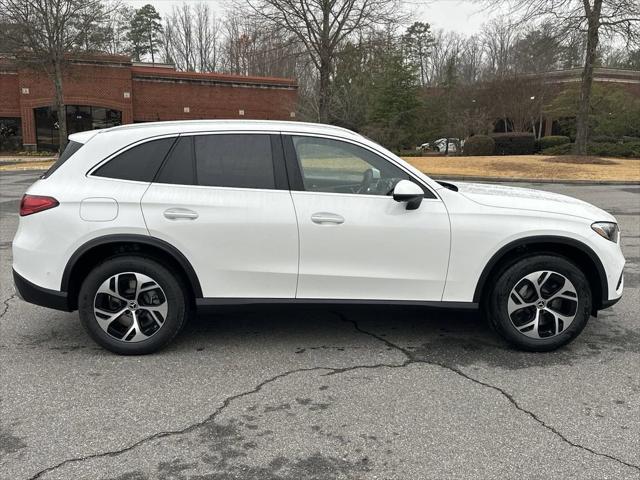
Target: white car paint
244 242
371 253
265 244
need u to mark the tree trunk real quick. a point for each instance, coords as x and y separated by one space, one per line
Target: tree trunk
582 119
62 113
323 100
153 59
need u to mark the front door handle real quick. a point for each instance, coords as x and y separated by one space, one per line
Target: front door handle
322 218
180 213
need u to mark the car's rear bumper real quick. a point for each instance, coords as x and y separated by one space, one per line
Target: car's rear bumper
44 297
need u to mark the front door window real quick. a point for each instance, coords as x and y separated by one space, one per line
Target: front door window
339 167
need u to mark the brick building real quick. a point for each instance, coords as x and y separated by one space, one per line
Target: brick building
103 91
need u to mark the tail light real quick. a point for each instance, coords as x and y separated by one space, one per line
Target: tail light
36 203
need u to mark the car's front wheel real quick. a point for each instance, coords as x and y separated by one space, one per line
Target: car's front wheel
539 303
132 305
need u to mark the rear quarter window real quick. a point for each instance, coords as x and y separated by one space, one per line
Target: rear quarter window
139 163
71 148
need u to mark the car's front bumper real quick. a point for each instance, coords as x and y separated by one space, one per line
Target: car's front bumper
44 297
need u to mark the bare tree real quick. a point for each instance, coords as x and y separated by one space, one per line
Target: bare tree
183 43
207 32
321 26
610 18
45 32
444 55
499 37
471 60
117 25
168 41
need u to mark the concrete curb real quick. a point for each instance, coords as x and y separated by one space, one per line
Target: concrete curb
463 178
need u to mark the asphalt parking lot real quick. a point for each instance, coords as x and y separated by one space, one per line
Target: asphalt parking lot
293 393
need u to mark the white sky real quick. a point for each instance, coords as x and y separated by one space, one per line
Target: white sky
462 16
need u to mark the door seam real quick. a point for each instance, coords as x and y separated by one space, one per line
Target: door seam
295 212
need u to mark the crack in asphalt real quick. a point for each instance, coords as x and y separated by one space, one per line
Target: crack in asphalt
412 360
227 401
5 304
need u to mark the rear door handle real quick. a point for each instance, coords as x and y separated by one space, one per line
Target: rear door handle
180 213
327 218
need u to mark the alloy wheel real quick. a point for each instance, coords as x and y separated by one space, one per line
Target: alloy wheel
130 307
542 304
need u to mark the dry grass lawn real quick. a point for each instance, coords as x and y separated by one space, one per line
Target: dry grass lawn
28 165
530 167
533 167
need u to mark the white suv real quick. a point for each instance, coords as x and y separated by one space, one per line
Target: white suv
139 226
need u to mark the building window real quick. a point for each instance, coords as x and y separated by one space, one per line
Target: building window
10 134
79 119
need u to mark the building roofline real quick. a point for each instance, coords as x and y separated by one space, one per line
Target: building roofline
151 73
161 71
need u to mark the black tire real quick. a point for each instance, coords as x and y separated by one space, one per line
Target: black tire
496 303
176 298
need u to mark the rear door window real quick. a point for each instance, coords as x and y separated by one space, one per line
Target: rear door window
179 167
139 163
234 160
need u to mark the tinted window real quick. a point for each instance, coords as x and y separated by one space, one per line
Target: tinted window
71 148
340 167
178 169
138 163
234 160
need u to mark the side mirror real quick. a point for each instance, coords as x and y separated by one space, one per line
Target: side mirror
409 192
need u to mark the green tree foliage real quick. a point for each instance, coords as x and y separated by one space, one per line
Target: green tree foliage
393 106
614 112
537 51
145 32
418 41
350 90
375 91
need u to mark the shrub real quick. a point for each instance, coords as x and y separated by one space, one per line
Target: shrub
514 143
624 150
630 149
410 153
552 141
479 145
564 149
603 139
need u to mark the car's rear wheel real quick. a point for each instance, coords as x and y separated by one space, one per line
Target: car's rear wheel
132 305
539 303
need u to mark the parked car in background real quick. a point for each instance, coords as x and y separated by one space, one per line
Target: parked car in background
440 145
139 226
